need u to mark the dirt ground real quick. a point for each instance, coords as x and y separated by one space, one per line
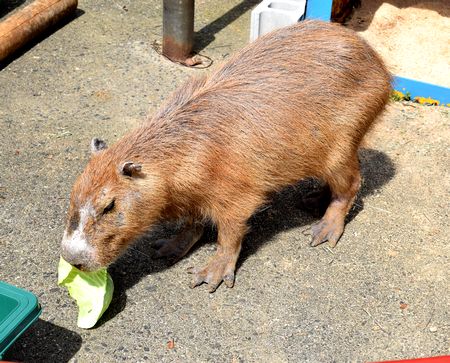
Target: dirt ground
381 294
413 36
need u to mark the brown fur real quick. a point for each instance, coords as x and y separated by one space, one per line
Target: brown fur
295 103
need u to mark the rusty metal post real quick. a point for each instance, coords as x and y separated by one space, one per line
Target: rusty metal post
178 29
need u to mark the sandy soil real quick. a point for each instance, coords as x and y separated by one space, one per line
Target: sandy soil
412 36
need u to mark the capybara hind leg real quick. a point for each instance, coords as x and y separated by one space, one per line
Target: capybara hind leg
343 193
176 248
223 264
317 201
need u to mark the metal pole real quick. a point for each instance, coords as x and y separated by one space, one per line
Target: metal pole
178 29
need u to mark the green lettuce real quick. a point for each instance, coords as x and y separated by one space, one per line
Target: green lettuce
92 291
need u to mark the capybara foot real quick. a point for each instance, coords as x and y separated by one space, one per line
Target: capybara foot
176 248
220 268
168 249
324 230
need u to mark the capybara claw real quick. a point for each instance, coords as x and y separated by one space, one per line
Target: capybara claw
192 270
199 276
220 268
325 231
229 280
332 242
197 280
213 286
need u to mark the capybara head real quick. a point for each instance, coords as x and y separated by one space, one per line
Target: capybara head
110 204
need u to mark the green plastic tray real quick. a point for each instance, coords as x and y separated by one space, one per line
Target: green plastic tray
18 310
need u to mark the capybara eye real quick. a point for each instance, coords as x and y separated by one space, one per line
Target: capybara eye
109 207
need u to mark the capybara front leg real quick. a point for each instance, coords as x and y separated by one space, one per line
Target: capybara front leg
176 248
331 226
223 264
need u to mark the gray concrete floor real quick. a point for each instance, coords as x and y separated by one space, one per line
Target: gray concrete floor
382 293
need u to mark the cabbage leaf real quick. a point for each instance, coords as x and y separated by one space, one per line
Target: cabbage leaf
92 291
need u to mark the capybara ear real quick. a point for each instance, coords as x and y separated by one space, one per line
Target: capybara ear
130 169
97 145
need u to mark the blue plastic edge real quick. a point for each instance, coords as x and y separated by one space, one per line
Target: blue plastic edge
422 89
318 9
26 323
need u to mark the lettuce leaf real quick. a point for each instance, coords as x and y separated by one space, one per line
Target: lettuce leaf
92 291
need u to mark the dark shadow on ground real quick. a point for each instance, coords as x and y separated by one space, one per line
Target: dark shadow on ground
45 342
284 213
369 8
287 212
7 6
206 35
39 38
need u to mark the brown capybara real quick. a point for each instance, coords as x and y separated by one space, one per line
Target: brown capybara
294 104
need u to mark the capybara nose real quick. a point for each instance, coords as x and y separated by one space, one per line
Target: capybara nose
73 258
82 260
70 260
75 261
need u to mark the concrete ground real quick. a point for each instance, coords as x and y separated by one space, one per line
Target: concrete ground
381 294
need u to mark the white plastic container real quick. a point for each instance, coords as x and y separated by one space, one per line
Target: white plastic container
274 14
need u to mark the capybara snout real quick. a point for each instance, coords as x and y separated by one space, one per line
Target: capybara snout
296 103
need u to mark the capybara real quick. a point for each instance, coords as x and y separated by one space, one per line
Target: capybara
295 103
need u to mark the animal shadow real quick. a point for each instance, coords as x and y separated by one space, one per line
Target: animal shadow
287 210
45 342
206 35
283 213
8 6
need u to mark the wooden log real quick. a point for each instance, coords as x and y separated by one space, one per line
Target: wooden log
32 20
